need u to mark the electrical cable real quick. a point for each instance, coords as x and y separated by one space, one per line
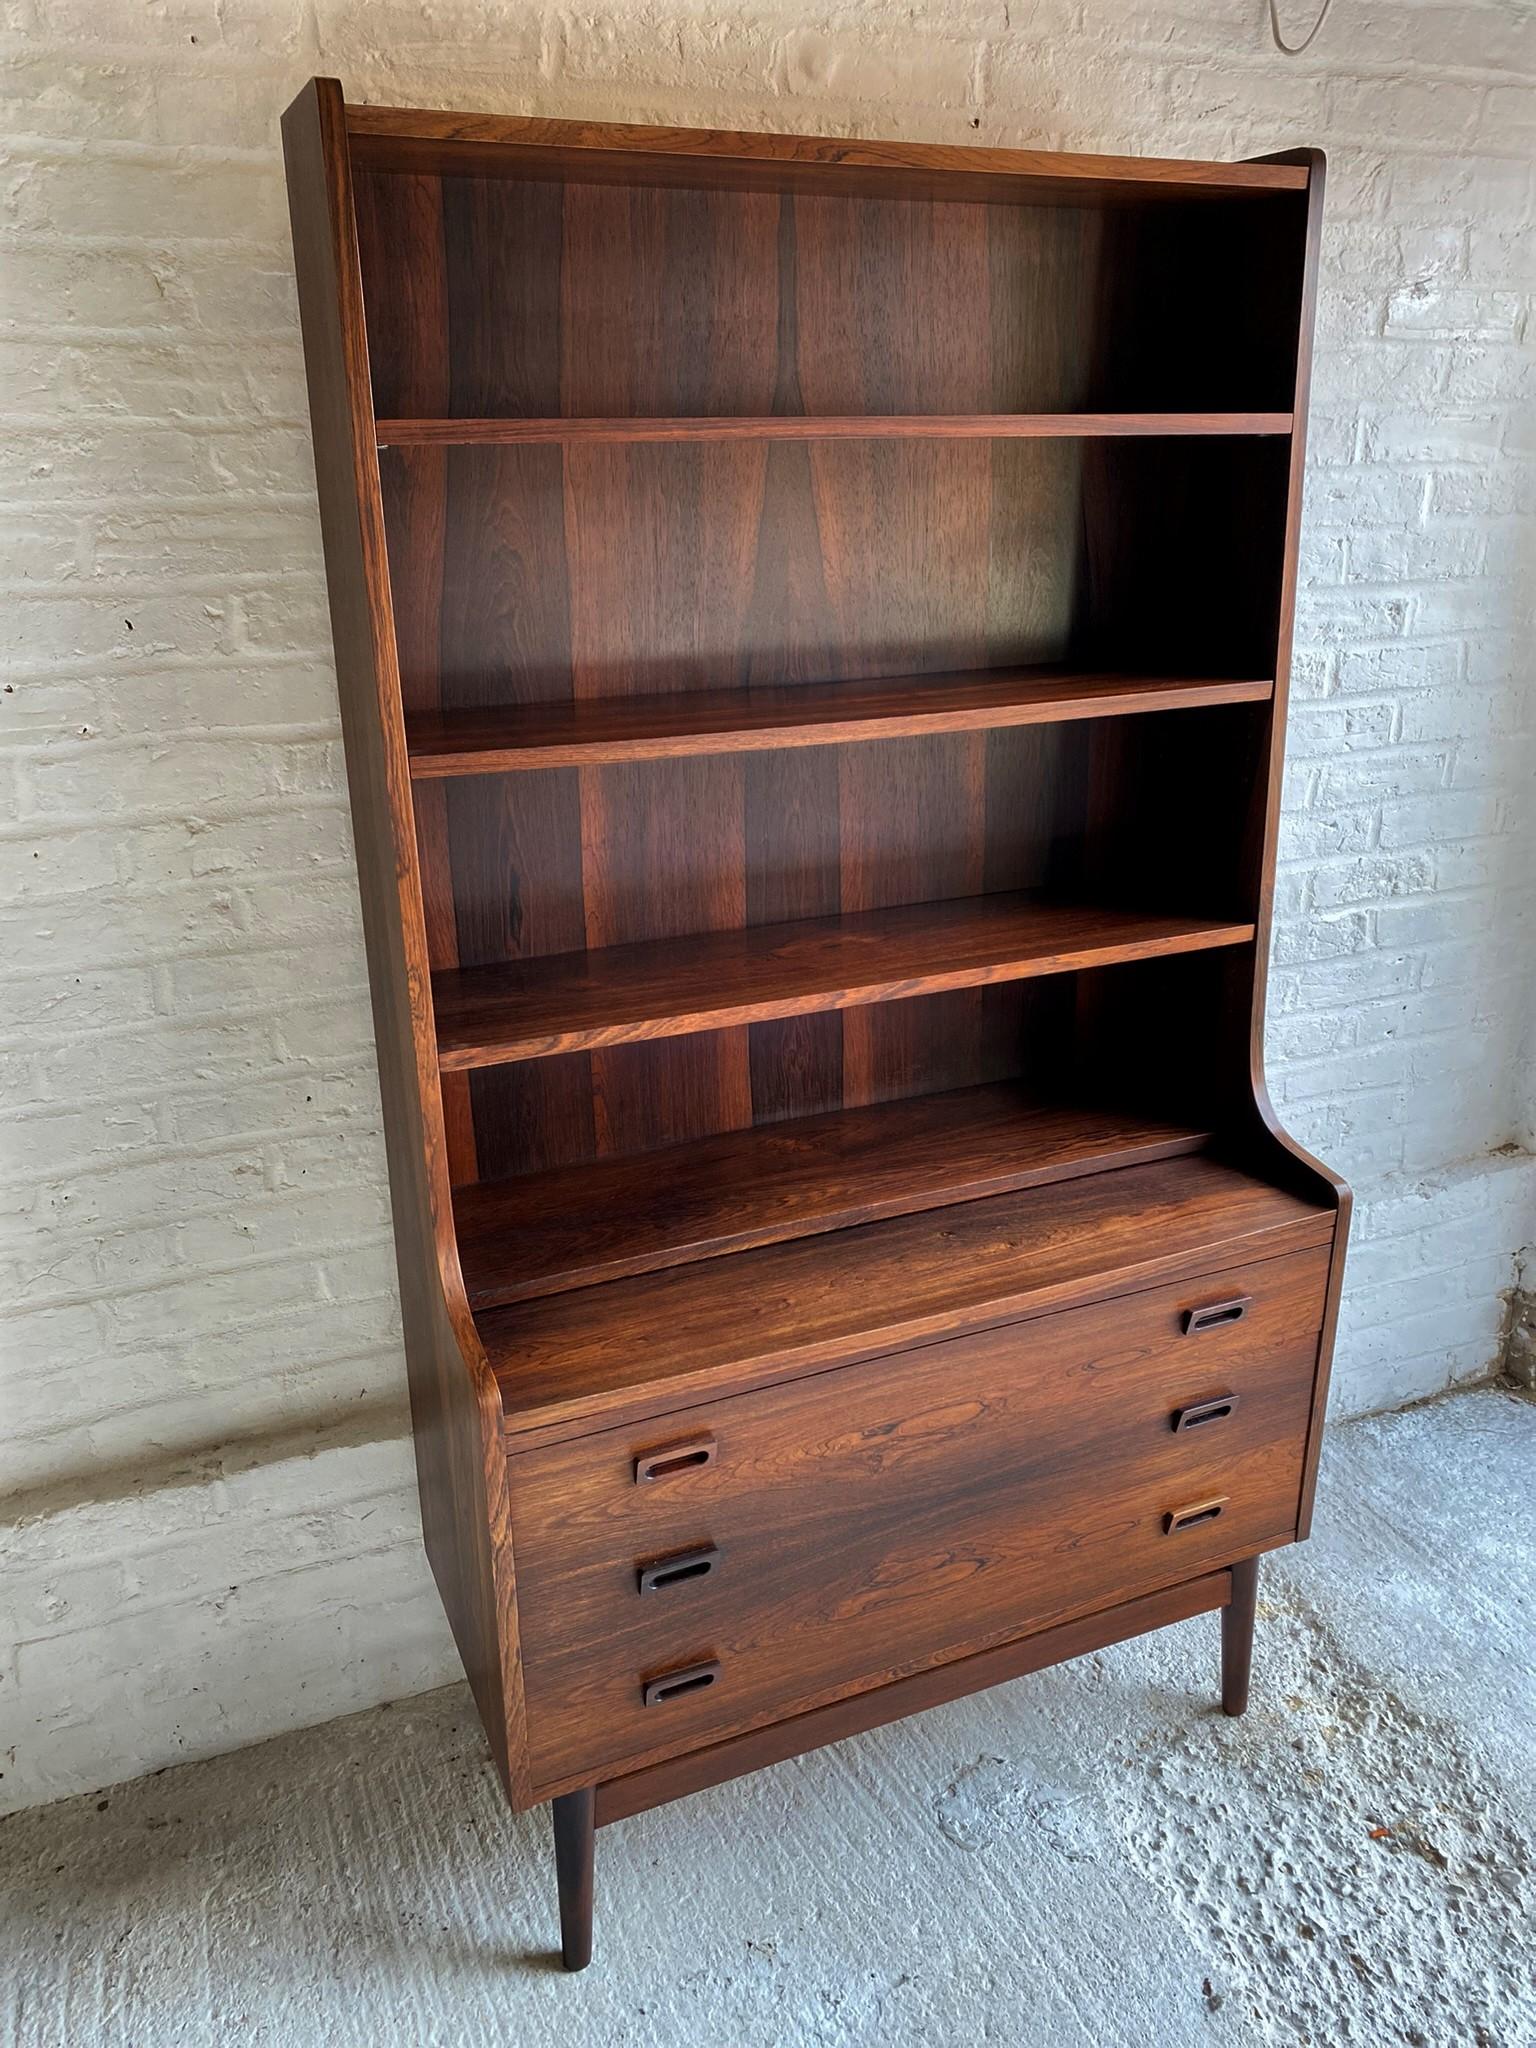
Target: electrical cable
1295 49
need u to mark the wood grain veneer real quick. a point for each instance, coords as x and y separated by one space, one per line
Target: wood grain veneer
697 1768
661 989
460 1465
544 1233
520 146
992 426
601 730
648 1344
904 1510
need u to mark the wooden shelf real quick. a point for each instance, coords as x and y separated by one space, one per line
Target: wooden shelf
661 727
544 1233
531 146
972 426
665 1338
620 995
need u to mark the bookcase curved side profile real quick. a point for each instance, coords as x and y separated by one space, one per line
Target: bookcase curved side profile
456 1410
1310 1174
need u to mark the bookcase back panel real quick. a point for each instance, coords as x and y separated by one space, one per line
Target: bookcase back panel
490 296
555 860
1183 554
1176 810
1164 1038
628 1099
524 576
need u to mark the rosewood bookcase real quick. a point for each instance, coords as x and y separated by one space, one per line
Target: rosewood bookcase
812 622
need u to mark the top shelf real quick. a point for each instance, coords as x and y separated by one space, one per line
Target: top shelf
977 426
591 152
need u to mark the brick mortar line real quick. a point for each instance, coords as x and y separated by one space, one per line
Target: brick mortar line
26 753
274 808
168 1154
238 951
176 1020
288 1316
387 1355
298 1075
167 1283
136 1609
58 824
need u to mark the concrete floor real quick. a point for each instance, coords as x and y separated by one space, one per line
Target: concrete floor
1090 1856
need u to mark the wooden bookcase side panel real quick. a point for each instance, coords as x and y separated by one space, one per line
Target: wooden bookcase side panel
461 1462
1279 1153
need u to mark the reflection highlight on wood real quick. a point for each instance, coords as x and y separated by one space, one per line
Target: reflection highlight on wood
591 731
698 1331
545 1232
621 995
980 426
531 146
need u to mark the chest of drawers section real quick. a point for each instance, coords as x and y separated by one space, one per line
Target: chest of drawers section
739 1561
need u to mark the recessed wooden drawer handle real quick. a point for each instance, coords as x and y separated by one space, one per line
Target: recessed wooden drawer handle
680 1569
674 1459
1191 1518
1215 1314
1199 1413
675 1683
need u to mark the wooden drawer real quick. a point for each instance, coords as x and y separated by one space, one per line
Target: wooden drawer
859 1524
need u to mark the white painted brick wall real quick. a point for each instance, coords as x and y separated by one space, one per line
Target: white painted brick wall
213 1530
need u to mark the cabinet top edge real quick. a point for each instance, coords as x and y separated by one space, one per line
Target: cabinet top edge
415 139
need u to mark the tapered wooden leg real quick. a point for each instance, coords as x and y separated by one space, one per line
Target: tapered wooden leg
1237 1636
574 1817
